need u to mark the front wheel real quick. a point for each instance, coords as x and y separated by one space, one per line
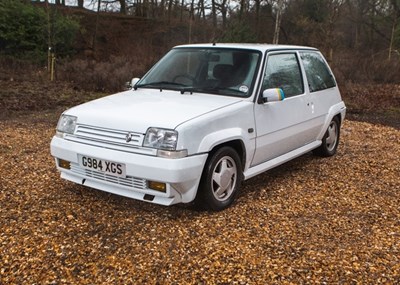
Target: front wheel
221 179
330 141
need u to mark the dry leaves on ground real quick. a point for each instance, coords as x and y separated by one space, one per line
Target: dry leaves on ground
313 220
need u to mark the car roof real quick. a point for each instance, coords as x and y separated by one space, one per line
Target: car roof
260 47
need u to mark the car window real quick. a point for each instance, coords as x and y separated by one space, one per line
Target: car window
283 71
318 74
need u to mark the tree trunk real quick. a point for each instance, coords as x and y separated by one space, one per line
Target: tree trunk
396 17
278 22
145 8
392 39
191 16
138 8
182 3
202 12
170 9
224 15
161 8
80 4
257 4
96 27
153 9
242 8
214 13
123 7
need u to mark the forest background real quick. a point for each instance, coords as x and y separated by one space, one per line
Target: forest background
99 45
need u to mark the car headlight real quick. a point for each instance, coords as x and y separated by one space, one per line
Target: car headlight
161 139
66 125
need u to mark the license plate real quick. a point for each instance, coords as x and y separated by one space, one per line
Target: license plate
105 166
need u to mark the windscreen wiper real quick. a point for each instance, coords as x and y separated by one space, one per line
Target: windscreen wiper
157 84
214 90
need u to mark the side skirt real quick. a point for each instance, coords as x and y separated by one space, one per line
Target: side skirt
255 170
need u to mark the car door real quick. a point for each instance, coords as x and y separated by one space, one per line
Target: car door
282 126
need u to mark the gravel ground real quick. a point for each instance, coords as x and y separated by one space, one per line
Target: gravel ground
312 220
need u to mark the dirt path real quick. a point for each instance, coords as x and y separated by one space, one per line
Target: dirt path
312 220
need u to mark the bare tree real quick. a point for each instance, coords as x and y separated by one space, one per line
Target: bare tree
201 9
214 13
278 20
224 12
242 8
334 7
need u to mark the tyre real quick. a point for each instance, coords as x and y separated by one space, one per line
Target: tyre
330 141
221 179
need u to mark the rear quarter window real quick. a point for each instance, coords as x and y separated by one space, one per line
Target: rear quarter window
318 74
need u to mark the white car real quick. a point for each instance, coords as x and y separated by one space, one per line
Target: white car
202 120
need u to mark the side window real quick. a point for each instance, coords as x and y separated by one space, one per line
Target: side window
318 75
283 71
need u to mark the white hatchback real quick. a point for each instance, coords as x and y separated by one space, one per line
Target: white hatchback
202 120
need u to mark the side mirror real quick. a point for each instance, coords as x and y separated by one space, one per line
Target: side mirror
130 84
134 81
273 95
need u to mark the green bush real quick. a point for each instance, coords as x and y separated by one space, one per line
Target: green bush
24 31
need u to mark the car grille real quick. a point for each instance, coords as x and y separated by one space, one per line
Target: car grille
128 181
107 135
111 139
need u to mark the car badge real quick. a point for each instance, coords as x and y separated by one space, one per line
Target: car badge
128 137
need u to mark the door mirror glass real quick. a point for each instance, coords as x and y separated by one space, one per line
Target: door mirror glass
273 95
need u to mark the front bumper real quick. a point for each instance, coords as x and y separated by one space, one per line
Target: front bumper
182 176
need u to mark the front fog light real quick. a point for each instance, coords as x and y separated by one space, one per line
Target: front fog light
64 164
158 186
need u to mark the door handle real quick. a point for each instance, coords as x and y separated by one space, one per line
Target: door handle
312 106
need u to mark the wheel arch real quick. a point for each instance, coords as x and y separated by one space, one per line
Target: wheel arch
336 111
340 118
234 138
237 145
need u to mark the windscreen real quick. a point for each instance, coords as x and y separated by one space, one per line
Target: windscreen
218 71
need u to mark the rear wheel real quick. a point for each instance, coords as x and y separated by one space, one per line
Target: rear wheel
221 179
330 141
